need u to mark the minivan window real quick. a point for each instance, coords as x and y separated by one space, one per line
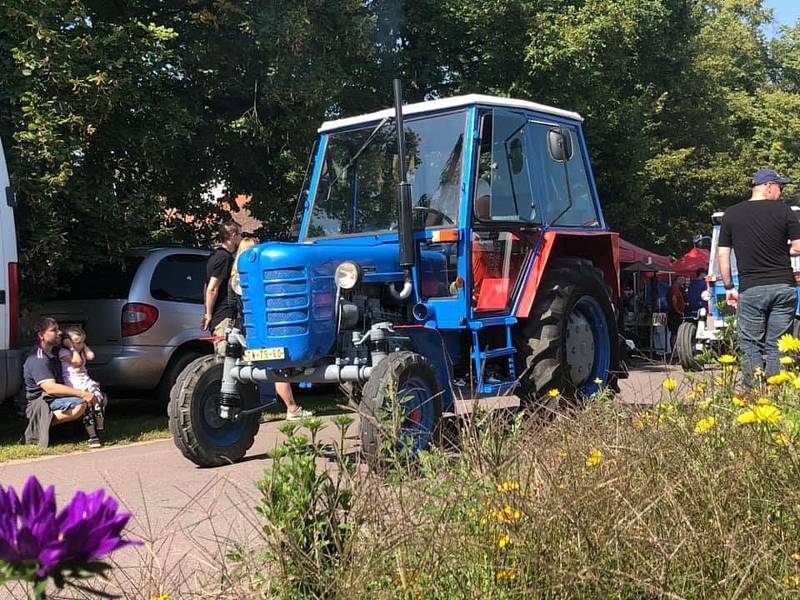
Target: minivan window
103 282
180 278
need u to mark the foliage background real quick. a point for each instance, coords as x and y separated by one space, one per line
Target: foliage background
118 116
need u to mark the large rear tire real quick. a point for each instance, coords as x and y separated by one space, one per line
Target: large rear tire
401 401
685 341
197 430
569 341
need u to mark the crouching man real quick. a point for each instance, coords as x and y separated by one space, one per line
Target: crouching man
49 400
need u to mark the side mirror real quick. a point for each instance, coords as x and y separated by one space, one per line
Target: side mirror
559 143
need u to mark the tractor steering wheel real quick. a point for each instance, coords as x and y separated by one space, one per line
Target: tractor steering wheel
434 211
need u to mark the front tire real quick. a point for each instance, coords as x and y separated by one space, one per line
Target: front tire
569 341
197 430
402 401
685 344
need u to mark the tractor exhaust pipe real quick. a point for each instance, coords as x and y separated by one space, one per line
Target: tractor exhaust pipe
405 232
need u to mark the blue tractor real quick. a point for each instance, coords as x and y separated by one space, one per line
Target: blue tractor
701 331
451 249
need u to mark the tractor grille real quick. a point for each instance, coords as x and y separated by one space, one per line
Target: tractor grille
286 300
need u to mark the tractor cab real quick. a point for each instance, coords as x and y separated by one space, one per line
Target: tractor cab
448 249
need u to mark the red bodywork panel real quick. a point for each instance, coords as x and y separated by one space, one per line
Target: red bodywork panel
602 248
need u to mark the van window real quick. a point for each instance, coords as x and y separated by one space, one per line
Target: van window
180 278
103 282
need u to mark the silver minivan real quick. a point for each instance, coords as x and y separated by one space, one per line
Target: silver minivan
142 319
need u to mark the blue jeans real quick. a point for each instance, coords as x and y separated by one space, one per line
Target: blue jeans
64 403
764 314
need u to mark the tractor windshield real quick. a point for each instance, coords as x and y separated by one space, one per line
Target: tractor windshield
357 188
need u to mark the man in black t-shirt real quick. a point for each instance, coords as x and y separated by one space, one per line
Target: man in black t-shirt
758 231
219 311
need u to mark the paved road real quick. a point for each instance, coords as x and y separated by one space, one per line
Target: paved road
189 517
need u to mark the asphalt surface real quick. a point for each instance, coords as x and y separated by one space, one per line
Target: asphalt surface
189 517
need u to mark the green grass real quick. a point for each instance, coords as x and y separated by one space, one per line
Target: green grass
130 420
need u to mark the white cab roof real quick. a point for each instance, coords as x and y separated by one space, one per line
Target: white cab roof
446 103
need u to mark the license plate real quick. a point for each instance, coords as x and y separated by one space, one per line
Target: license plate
278 353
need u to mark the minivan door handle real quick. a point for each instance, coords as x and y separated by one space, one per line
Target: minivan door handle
2 296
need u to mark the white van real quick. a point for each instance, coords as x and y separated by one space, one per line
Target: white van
10 366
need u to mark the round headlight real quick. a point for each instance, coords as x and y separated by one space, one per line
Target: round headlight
346 275
705 295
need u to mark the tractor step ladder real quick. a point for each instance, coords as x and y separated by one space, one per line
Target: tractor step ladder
481 355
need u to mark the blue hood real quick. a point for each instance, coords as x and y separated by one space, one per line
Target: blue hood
288 292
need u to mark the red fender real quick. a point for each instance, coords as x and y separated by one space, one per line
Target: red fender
602 248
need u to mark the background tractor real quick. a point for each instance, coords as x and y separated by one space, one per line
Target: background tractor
703 332
452 249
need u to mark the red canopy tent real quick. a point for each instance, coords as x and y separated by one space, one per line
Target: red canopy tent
631 253
696 258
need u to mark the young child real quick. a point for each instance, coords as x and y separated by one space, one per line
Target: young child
73 358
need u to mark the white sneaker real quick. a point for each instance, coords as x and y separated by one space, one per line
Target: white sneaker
298 414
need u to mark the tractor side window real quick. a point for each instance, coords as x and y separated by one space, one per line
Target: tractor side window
504 185
438 269
497 258
567 193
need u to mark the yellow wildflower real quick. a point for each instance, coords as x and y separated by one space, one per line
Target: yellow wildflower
791 580
598 381
761 414
595 458
554 393
780 439
738 401
763 401
727 359
797 383
704 425
719 380
503 540
704 404
788 343
160 597
786 360
796 556
506 574
780 378
509 514
699 388
759 372
667 407
508 486
670 384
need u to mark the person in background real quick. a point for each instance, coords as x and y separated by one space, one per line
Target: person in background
218 310
696 287
294 411
757 230
44 383
73 357
676 305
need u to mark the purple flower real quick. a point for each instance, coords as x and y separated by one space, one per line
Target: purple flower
32 533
